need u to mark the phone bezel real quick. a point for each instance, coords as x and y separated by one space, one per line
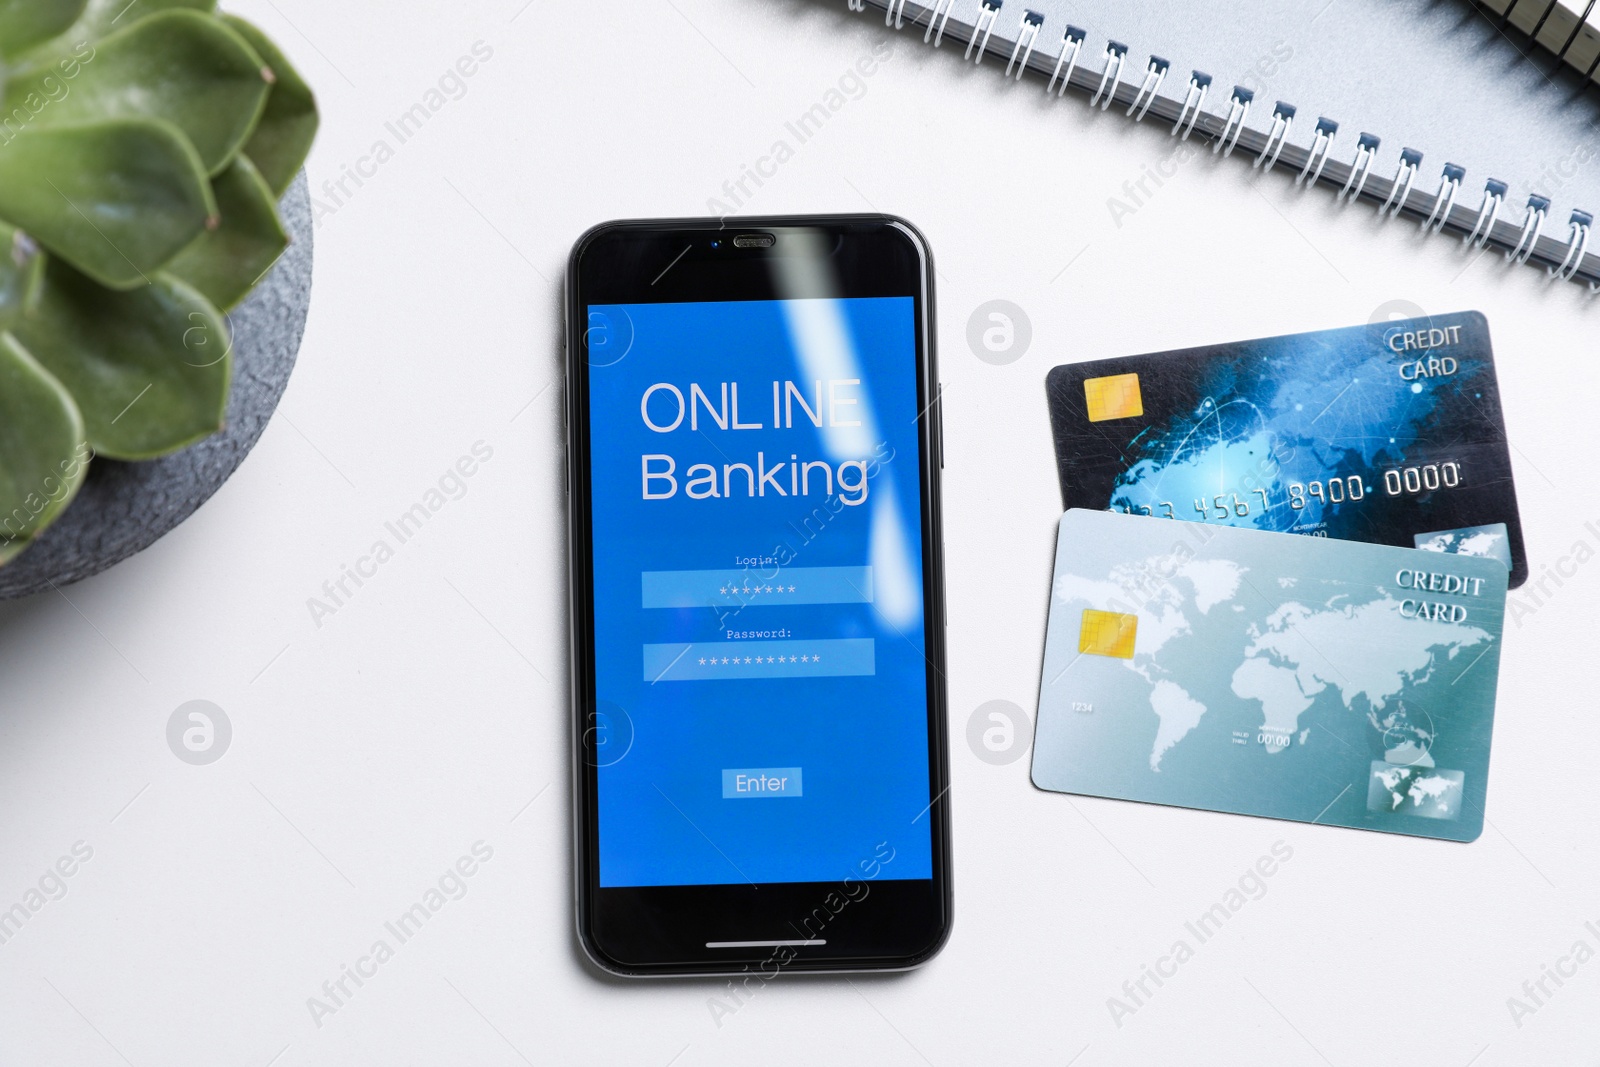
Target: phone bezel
897 923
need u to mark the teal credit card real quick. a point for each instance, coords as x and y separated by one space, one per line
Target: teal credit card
1271 674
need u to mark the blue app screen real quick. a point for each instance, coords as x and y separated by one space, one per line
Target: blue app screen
762 711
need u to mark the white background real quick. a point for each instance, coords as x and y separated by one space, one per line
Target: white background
427 713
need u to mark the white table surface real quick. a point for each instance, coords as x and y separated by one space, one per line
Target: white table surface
427 713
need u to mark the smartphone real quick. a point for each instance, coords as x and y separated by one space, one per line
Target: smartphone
757 597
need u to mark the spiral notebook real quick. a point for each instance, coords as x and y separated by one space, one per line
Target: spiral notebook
1569 28
1433 110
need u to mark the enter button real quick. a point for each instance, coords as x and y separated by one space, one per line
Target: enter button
747 784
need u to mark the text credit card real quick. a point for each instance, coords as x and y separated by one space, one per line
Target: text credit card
1233 670
1390 433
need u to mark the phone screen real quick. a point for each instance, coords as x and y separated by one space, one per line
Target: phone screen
760 672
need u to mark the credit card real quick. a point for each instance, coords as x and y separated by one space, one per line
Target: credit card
1389 433
1259 673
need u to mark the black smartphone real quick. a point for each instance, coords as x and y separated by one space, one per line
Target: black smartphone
757 597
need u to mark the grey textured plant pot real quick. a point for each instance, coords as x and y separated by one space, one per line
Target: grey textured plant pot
124 508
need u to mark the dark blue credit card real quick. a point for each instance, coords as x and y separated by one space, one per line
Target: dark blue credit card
1389 433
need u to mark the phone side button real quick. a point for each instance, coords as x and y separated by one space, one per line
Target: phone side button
939 407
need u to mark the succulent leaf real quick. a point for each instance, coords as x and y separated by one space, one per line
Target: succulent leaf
101 18
143 147
282 139
24 23
43 453
117 199
149 368
21 267
184 67
224 264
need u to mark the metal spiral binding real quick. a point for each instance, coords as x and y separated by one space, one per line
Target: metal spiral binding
1071 46
1317 158
1277 137
938 18
1445 199
1154 74
1538 208
1580 225
1193 100
1577 244
1404 181
985 26
1238 109
1494 195
1116 52
1027 34
1360 167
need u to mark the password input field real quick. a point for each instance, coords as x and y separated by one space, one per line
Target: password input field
755 660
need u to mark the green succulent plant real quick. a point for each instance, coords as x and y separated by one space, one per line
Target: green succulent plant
144 147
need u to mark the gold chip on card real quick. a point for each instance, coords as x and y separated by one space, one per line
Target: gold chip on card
1113 397
1107 633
